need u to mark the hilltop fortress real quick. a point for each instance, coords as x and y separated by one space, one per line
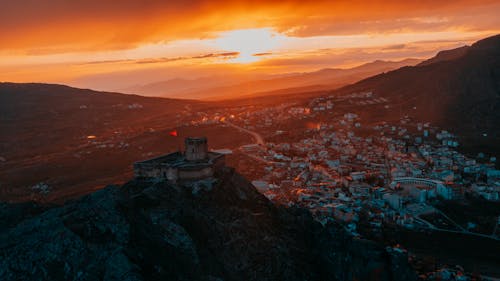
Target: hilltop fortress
196 162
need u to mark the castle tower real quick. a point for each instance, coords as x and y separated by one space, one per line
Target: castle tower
196 149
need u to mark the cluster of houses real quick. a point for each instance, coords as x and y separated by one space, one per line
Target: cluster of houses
396 172
397 175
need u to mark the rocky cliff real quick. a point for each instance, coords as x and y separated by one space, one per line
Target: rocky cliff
221 229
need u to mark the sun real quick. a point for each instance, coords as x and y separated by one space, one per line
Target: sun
252 44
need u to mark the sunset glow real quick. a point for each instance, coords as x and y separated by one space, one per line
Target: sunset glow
249 140
251 44
115 45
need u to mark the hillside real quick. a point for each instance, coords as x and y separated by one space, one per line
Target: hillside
461 92
76 138
446 55
222 230
48 109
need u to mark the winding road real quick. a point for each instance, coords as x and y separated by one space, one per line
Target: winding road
258 138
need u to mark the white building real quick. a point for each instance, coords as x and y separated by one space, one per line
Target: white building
394 200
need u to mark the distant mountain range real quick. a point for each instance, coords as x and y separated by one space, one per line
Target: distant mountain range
235 86
457 89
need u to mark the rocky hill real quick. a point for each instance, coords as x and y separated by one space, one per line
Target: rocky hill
220 229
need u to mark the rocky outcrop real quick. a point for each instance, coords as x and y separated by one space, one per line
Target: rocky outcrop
220 229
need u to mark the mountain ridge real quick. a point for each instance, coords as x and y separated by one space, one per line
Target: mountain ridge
446 55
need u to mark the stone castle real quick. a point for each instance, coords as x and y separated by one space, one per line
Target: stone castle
195 163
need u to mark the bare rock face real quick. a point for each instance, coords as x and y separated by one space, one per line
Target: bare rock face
147 230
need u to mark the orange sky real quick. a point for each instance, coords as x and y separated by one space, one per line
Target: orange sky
114 44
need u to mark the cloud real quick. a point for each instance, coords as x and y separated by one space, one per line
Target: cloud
261 54
220 55
225 55
331 57
394 47
41 27
158 60
106 62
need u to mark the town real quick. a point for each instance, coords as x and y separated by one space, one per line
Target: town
370 176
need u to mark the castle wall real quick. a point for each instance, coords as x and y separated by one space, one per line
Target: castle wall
195 163
156 171
172 174
196 174
146 171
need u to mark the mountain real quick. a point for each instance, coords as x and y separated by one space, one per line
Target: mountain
459 90
182 87
447 55
178 87
236 86
212 230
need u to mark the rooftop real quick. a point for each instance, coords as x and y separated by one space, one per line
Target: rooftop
177 159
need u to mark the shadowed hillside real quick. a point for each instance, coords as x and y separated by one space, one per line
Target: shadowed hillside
460 92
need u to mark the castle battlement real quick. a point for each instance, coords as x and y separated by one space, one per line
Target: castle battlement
196 162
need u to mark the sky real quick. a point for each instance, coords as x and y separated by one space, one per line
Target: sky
109 45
